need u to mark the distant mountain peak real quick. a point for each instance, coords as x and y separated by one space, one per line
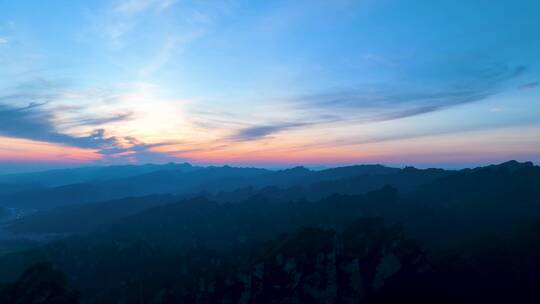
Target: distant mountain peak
514 165
297 169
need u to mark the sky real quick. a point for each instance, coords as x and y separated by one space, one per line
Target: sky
268 83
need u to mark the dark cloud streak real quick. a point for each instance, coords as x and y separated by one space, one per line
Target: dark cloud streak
366 104
96 121
482 84
33 122
257 132
530 85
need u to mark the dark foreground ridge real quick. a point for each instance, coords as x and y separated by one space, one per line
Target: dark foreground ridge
360 234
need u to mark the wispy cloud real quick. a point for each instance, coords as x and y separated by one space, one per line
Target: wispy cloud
171 46
258 132
130 7
34 123
3 40
398 102
530 85
377 103
162 28
124 16
262 130
133 150
414 102
102 120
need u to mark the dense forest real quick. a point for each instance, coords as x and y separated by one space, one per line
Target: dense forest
179 233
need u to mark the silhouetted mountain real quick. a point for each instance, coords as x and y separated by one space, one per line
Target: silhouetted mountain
4 213
511 165
212 180
368 263
428 206
497 269
14 188
158 182
300 176
244 235
39 284
481 201
196 223
312 264
480 183
55 178
347 180
202 223
85 218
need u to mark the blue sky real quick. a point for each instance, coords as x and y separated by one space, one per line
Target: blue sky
271 83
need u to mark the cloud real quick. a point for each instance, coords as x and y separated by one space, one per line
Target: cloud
102 120
530 85
135 151
130 7
37 109
124 16
171 46
3 40
35 123
373 98
365 106
376 103
370 103
257 132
